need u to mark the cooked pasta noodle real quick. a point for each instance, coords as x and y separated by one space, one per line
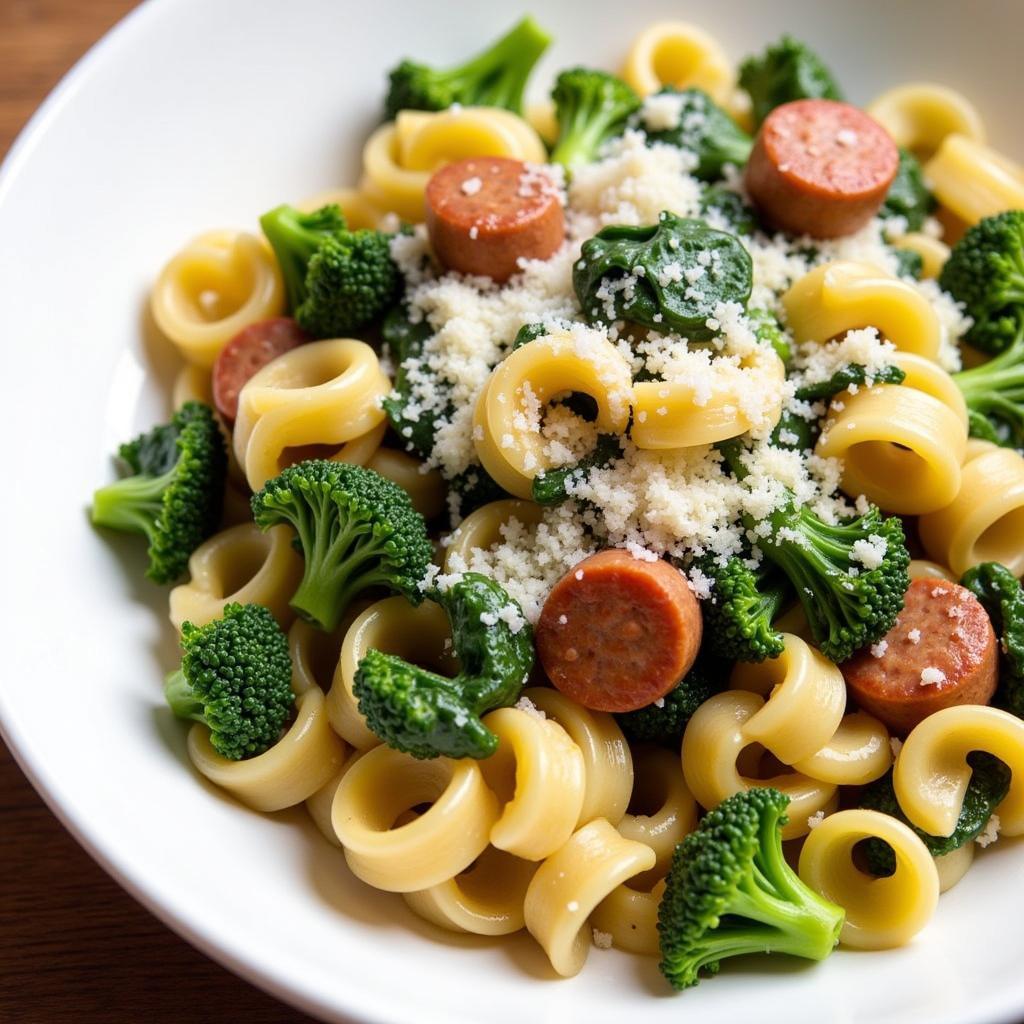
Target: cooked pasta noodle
678 54
924 375
358 210
922 569
426 489
973 180
192 384
630 917
933 252
954 865
320 803
920 115
315 653
482 527
858 753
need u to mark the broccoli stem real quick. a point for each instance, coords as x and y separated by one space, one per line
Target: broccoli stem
131 504
294 245
181 697
994 391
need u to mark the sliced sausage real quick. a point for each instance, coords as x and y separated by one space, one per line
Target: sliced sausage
617 633
941 652
248 351
820 168
486 213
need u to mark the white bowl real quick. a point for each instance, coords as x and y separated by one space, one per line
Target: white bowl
195 114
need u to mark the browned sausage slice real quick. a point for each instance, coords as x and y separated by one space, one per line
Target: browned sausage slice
617 633
248 351
941 652
486 213
820 168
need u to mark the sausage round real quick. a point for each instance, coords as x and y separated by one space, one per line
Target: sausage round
486 213
248 351
820 168
617 633
942 651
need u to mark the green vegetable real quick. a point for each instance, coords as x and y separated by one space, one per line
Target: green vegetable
789 70
355 530
338 281
474 488
236 678
405 341
730 892
851 374
985 271
665 724
494 78
769 331
526 334
707 131
1001 595
550 488
175 491
429 715
908 263
990 782
592 107
994 392
908 195
645 269
795 432
730 207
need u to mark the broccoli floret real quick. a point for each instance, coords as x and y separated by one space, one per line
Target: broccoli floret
730 892
789 70
743 605
429 715
704 129
405 341
852 373
236 678
908 263
355 530
994 393
175 493
631 263
1002 596
769 331
550 488
592 107
729 207
665 723
990 782
985 271
338 281
908 195
494 78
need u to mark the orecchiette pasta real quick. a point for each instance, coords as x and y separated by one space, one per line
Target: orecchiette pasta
571 883
920 115
857 753
426 489
315 653
630 917
678 54
482 527
880 912
973 180
215 286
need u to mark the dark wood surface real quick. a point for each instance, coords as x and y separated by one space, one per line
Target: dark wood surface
74 947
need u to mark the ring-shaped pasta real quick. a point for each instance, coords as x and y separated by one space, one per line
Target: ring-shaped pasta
419 634
630 917
537 775
380 787
315 653
320 803
881 913
607 761
922 569
927 376
579 360
954 865
294 768
933 252
842 296
679 54
973 180
323 393
487 899
358 210
426 490
239 565
543 118
664 809
671 414
712 744
571 883
919 115
900 447
805 700
932 773
858 753
192 384
482 527
985 521
219 283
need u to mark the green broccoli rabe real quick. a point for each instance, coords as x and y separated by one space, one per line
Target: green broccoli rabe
494 78
175 491
338 281
592 107
528 333
789 70
985 271
428 715
729 207
730 892
994 393
795 432
744 603
236 678
474 487
706 131
550 488
908 196
852 374
665 723
990 782
769 331
908 263
405 341
667 276
1002 596
355 530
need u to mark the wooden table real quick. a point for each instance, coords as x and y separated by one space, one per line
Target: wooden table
74 947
